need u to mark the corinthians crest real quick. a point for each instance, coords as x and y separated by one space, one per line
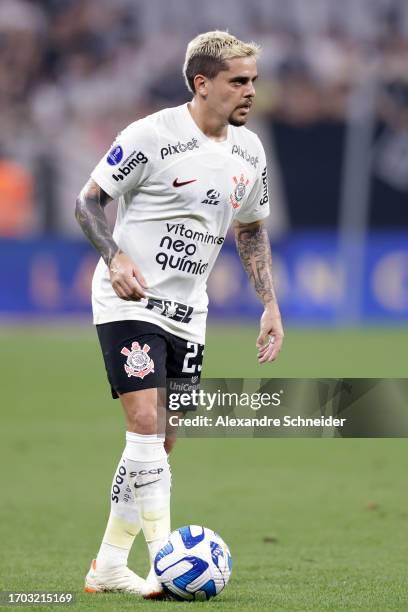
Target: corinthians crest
138 362
239 191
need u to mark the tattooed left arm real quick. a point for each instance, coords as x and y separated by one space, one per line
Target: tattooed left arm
255 253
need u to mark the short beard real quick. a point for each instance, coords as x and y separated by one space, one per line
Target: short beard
236 122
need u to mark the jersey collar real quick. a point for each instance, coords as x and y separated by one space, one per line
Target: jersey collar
201 133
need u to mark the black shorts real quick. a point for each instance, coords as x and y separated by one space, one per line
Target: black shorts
140 355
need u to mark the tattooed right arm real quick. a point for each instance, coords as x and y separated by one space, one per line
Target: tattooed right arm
90 214
126 278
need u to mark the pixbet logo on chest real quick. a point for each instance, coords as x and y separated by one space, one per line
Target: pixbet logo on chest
180 147
251 159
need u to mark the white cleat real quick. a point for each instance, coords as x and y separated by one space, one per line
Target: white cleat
152 588
117 579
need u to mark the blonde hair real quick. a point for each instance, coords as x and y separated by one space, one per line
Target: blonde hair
207 54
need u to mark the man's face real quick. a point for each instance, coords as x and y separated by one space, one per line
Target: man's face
230 93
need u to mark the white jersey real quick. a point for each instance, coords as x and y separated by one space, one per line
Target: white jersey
178 192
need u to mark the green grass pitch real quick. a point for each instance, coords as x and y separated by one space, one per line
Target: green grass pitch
313 524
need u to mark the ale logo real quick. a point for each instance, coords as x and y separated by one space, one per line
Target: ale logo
212 197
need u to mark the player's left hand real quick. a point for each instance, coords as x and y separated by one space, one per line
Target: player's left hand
270 339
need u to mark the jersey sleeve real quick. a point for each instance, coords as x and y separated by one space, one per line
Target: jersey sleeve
129 161
257 205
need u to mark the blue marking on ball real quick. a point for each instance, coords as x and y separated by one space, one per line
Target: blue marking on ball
216 553
189 540
198 567
209 589
163 552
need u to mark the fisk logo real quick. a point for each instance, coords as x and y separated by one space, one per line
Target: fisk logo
180 147
130 164
212 197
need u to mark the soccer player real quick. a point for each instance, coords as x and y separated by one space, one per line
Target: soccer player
182 176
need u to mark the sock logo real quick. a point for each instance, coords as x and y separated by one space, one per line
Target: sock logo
119 480
138 362
157 471
144 484
144 472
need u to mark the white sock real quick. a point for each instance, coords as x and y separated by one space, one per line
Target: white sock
123 524
150 479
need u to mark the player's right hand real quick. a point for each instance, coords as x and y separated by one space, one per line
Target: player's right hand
127 280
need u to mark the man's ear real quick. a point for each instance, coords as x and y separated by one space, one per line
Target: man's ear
201 85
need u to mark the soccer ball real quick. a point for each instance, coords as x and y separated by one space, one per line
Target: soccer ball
194 564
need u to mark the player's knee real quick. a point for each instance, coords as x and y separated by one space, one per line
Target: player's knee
143 421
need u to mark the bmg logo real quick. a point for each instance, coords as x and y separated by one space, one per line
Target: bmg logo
132 162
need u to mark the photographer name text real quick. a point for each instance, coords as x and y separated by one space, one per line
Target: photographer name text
227 421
